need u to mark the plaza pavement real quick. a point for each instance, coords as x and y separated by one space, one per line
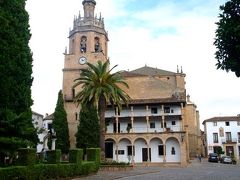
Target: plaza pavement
195 171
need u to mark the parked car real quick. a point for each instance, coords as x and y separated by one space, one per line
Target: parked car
213 157
226 159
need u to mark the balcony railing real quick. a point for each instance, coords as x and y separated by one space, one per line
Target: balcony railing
226 140
145 130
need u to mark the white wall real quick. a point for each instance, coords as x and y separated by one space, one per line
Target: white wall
210 129
154 150
169 156
139 144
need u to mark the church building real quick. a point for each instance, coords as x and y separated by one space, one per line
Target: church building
160 125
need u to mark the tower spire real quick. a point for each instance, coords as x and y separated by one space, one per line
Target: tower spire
89 6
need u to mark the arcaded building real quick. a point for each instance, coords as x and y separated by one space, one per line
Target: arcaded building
159 122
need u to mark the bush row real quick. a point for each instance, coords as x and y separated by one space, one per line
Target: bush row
48 171
52 169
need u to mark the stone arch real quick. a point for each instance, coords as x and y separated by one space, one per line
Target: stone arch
83 44
173 150
140 145
123 150
97 44
157 149
110 145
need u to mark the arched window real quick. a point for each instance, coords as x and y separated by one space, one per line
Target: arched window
97 46
83 44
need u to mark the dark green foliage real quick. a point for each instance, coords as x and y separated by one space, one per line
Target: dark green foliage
26 156
88 132
13 172
75 156
93 154
227 39
53 156
16 80
53 171
219 150
99 88
48 171
60 125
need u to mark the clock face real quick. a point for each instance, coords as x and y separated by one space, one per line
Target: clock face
82 60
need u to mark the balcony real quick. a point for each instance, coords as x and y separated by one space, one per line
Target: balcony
229 141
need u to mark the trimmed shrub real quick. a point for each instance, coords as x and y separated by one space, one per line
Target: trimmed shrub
53 156
26 156
54 171
89 167
93 154
75 156
14 172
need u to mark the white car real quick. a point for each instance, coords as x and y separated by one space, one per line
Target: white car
226 159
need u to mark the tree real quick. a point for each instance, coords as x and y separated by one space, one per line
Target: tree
60 125
16 126
227 39
87 135
99 88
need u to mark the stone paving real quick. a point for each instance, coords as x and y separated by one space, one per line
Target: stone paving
195 171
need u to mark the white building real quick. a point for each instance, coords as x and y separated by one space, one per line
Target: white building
43 126
223 132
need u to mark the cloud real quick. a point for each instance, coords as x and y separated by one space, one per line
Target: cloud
171 33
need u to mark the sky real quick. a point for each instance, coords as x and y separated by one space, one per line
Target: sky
156 33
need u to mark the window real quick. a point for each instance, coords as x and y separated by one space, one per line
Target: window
173 151
129 150
228 137
97 47
227 123
166 109
76 116
83 44
160 150
165 124
120 152
152 125
214 123
50 126
116 111
173 123
154 110
115 127
172 111
238 137
215 137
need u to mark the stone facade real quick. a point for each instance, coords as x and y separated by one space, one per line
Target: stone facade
160 117
87 43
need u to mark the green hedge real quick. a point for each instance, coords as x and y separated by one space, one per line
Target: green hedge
55 170
93 154
53 156
48 171
26 156
75 156
14 172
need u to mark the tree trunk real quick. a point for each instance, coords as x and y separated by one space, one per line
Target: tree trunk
101 111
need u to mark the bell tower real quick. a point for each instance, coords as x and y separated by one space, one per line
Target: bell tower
87 43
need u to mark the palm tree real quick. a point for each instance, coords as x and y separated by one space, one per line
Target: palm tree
99 87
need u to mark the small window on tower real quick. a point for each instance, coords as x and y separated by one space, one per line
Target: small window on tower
97 47
83 44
